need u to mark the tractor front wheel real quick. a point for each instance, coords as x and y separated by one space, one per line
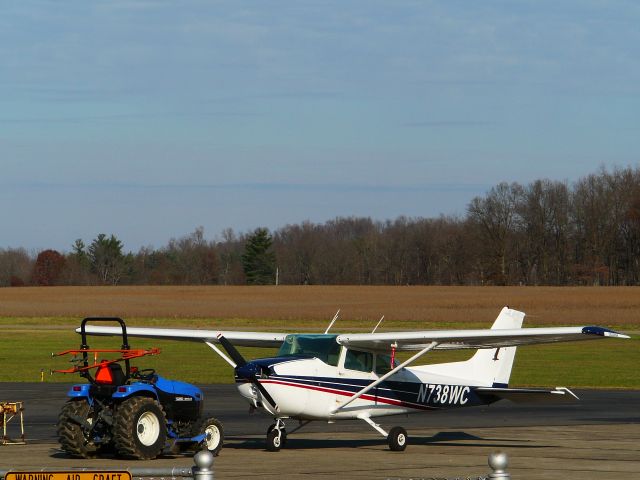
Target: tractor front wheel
214 435
140 428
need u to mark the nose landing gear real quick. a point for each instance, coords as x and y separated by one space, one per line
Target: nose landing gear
276 436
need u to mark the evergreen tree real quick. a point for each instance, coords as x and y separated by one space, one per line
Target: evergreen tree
258 261
107 259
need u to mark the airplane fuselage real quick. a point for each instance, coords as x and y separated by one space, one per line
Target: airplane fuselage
309 389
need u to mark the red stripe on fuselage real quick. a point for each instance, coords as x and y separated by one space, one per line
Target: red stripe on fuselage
372 398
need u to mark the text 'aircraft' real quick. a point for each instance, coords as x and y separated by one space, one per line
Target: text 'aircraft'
329 377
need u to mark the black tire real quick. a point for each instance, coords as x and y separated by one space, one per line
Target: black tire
74 439
283 435
214 432
397 439
140 428
275 440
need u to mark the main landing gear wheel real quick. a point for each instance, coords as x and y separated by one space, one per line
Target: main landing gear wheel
276 438
140 429
397 439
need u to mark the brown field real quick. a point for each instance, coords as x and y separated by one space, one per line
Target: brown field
289 304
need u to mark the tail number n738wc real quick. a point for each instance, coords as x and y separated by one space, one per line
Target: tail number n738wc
435 394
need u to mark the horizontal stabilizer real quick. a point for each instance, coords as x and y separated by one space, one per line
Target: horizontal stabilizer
531 395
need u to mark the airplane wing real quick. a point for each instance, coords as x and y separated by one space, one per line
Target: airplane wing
462 339
241 339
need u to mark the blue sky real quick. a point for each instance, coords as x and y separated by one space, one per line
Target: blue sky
147 119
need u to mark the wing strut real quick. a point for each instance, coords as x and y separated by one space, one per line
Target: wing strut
357 395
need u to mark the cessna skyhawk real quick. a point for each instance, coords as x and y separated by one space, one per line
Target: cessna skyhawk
329 377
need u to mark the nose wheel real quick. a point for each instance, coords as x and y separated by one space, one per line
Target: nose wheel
276 436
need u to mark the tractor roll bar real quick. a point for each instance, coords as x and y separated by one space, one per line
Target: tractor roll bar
85 346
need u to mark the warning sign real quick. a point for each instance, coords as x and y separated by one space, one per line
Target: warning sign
95 475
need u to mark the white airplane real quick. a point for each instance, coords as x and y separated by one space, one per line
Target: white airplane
329 377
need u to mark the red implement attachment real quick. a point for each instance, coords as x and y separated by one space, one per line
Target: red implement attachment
126 354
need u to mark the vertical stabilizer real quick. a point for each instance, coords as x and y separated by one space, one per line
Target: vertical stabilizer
489 367
494 365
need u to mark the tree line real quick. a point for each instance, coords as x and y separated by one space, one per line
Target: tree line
543 233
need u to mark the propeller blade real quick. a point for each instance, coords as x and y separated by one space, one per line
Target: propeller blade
232 351
243 372
264 393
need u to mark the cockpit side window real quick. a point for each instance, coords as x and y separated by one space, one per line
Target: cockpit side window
383 364
357 360
333 355
323 347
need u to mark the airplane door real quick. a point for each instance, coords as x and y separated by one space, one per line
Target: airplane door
356 368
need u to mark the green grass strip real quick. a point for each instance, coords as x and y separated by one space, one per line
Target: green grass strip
26 345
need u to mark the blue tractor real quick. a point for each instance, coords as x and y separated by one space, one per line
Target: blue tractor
129 412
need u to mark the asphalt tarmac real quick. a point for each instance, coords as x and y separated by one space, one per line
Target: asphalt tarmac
598 437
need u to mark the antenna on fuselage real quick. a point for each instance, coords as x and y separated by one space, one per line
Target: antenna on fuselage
335 317
377 324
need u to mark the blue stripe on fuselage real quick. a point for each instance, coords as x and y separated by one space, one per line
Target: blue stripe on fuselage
409 394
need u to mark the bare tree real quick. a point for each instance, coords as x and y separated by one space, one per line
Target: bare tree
296 248
15 267
192 259
495 217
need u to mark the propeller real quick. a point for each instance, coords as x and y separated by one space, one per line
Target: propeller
247 373
232 351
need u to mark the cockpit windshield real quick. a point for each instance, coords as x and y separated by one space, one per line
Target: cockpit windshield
323 347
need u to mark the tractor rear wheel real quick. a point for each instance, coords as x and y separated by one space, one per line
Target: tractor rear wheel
74 438
140 428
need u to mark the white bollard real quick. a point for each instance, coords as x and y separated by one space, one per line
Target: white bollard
498 463
204 461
